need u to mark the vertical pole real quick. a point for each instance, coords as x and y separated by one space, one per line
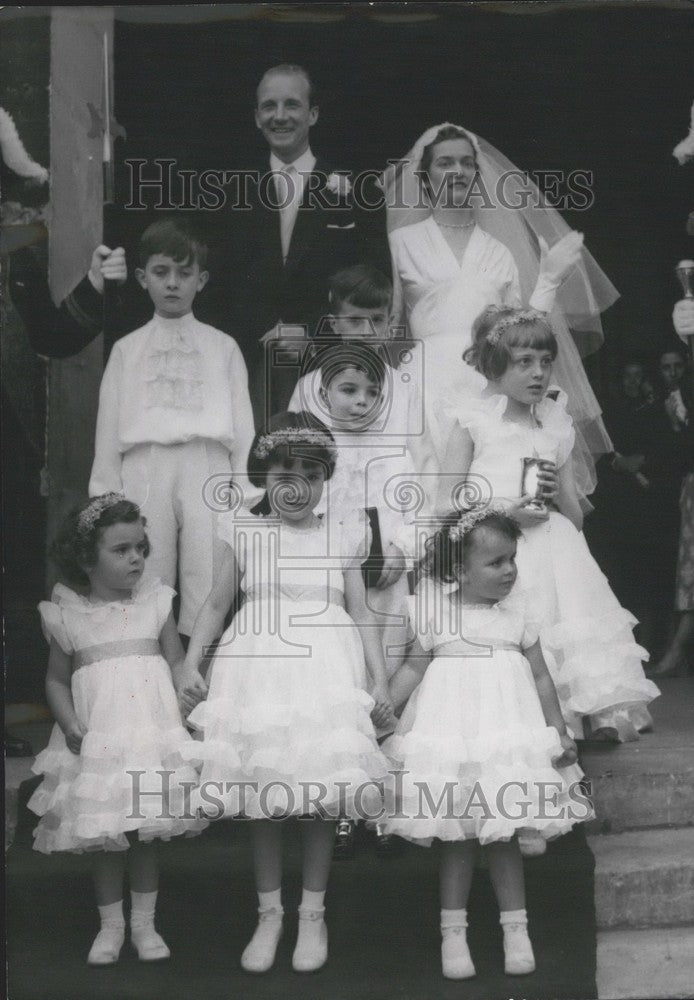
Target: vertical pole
77 70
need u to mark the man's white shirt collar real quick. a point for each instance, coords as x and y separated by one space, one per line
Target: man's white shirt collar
303 165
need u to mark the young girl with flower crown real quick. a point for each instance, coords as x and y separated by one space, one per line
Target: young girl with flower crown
482 738
118 728
586 635
286 721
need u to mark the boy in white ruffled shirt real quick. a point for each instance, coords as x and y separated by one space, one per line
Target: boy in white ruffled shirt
175 422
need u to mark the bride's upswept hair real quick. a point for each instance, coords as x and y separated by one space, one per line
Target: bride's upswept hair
447 132
497 330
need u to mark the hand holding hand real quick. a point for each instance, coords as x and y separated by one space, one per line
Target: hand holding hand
570 754
382 712
557 262
74 735
107 265
191 691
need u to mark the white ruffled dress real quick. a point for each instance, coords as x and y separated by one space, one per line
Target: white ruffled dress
124 696
472 743
586 635
286 721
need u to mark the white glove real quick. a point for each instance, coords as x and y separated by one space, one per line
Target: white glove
683 318
555 264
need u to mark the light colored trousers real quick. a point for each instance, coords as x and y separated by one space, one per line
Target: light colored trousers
168 482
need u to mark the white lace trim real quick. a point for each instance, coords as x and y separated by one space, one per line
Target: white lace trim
173 370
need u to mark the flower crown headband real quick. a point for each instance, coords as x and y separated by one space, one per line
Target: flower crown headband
94 509
471 518
516 319
308 436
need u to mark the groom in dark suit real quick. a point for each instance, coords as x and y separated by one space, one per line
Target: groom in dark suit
300 229
274 255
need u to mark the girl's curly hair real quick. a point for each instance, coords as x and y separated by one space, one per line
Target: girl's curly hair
448 548
75 546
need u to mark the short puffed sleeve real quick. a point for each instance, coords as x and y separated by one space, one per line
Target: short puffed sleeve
531 633
519 603
54 626
151 591
475 412
164 599
354 538
422 610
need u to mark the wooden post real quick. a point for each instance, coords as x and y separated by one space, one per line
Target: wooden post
75 230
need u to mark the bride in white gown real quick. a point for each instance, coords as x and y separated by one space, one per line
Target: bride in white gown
467 230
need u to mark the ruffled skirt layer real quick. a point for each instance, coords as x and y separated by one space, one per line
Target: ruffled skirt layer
130 776
586 634
473 757
286 722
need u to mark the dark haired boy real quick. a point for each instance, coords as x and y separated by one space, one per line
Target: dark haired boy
174 413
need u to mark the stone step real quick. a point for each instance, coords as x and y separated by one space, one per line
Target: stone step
656 963
644 878
641 789
649 783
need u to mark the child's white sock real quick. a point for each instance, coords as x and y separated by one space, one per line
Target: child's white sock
259 954
312 900
311 950
149 945
531 842
107 944
456 962
519 959
270 900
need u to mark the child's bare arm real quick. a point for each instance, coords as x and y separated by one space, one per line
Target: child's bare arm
364 619
210 620
459 455
59 696
549 701
567 497
172 648
410 674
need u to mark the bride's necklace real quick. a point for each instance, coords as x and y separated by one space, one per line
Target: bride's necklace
450 225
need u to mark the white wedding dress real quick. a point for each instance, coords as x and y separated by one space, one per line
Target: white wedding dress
439 298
